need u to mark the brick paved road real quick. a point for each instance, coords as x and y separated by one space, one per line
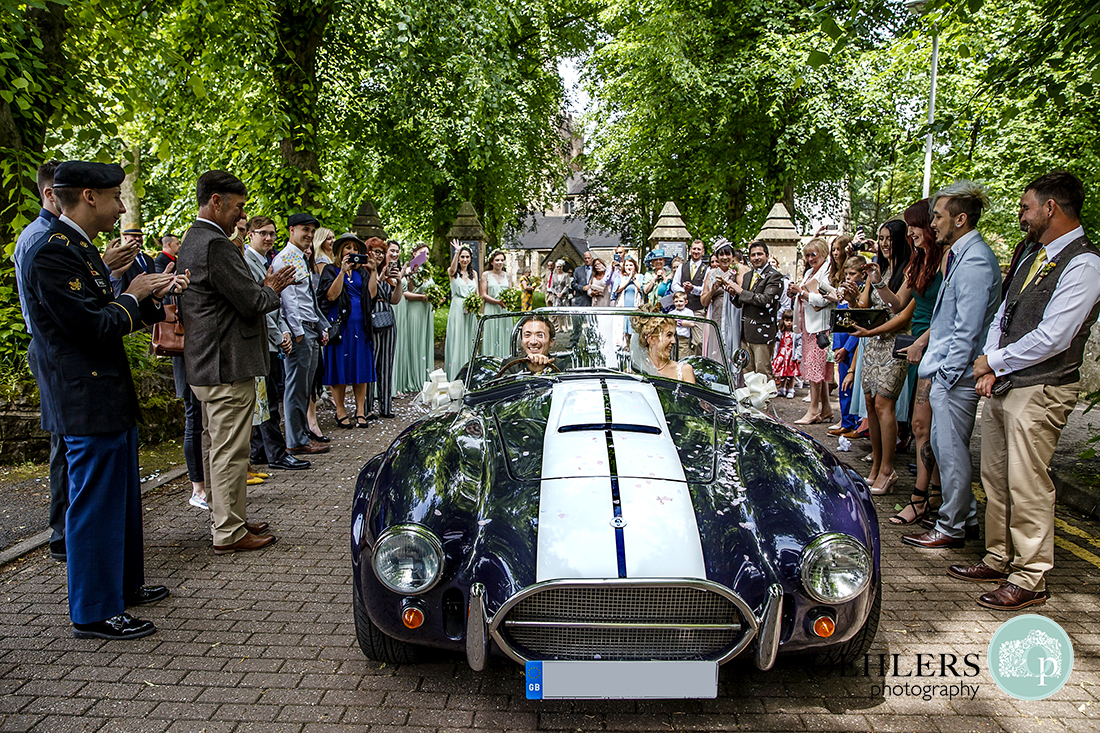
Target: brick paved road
264 641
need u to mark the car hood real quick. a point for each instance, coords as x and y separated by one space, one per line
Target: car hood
613 500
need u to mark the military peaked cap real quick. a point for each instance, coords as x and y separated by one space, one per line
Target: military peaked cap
84 174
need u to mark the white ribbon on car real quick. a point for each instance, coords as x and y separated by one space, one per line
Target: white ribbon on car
757 391
438 392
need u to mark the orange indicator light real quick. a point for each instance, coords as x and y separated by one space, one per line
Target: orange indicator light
824 627
413 618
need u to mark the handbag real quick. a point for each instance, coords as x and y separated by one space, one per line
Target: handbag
383 319
168 334
902 341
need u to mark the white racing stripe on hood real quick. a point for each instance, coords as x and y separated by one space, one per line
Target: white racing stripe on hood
575 535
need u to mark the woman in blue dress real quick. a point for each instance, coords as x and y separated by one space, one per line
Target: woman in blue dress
628 289
349 361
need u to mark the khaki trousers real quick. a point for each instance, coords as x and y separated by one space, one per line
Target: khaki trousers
760 358
1020 430
226 429
697 334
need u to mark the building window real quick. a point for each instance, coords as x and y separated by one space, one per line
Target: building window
567 207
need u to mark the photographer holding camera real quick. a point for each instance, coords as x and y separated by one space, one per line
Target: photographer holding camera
349 356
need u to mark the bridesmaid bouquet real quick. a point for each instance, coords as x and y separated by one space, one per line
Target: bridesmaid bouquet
512 299
437 295
473 303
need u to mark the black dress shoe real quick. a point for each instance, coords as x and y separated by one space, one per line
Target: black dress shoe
388 415
318 438
116 628
57 551
146 594
290 463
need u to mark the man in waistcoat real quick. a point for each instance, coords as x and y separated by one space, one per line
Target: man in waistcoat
964 308
1031 374
688 278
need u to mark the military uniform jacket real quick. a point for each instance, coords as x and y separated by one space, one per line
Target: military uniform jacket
222 311
83 375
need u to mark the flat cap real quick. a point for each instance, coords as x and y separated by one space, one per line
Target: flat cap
84 174
299 219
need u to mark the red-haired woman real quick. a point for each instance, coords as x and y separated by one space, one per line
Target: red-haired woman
923 277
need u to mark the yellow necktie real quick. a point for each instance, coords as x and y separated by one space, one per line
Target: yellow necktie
1040 260
752 279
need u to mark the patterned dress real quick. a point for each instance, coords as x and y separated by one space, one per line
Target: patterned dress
882 374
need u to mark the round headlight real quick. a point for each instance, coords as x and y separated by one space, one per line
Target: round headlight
835 568
408 559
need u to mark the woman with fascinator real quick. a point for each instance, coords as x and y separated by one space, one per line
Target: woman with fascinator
721 306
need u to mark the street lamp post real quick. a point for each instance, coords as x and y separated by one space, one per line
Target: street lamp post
917 7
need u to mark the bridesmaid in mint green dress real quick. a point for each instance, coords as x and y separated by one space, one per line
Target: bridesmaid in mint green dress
416 333
461 326
497 332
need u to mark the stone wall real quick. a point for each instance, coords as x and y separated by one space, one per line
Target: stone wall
1090 368
22 439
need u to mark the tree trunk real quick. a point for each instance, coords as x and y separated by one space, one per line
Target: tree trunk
300 27
131 153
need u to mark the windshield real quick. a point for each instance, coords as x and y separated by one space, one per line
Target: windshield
560 341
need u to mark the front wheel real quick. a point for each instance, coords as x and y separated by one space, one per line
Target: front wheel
376 644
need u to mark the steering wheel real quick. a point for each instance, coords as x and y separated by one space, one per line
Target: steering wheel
518 359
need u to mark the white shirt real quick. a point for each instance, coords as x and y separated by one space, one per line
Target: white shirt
212 223
1074 296
677 287
299 305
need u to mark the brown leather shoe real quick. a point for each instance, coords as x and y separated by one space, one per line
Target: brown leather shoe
972 531
1011 597
980 573
838 431
933 540
258 528
311 447
248 542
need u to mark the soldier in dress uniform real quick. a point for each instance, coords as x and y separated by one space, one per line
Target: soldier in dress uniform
88 396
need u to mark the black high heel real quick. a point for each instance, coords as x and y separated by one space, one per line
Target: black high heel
922 500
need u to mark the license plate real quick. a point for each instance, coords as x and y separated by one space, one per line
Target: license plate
562 680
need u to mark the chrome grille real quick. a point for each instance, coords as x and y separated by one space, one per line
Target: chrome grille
623 622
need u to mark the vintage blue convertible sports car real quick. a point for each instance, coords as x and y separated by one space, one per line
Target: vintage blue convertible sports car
606 508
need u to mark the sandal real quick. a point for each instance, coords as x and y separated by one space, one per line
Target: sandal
345 422
362 421
922 499
935 498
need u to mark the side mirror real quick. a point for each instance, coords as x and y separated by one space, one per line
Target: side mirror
741 359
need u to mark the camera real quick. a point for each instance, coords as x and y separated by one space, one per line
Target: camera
358 259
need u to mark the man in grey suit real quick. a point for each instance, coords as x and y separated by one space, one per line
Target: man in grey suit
967 300
225 349
582 276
